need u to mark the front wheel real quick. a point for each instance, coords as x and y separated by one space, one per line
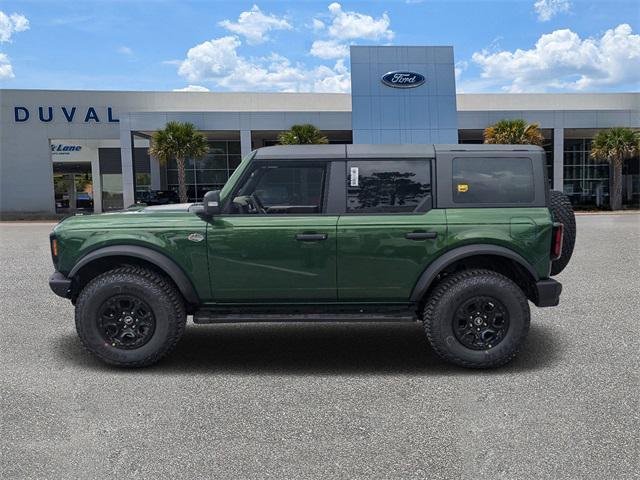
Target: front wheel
130 316
476 319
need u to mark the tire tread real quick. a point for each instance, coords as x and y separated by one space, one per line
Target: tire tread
124 274
431 325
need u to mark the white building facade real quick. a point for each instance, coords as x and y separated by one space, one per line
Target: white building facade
66 151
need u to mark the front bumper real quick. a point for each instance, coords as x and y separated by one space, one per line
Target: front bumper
60 285
547 293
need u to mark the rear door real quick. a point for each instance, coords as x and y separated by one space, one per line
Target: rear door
276 243
389 232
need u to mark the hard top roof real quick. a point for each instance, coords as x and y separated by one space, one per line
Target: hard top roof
319 152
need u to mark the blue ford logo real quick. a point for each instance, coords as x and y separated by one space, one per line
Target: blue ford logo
403 79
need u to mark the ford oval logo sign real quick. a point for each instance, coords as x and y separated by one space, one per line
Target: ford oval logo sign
403 79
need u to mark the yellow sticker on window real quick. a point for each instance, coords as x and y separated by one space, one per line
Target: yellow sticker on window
463 187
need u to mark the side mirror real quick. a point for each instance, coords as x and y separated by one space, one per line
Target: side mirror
211 203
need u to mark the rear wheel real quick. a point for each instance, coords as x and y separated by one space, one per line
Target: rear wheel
130 316
562 212
476 319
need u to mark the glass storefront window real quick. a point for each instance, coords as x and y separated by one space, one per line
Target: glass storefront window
111 179
586 181
112 198
631 183
143 182
208 173
73 187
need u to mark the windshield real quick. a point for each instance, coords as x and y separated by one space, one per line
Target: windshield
226 190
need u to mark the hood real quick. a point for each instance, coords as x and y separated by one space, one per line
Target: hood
170 207
135 217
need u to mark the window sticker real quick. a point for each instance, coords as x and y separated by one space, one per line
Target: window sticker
354 177
463 187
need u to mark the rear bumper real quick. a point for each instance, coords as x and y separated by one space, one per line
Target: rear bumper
548 293
60 285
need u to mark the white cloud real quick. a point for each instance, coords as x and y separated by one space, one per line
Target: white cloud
345 26
6 70
317 25
460 67
352 25
218 61
211 59
254 25
192 88
561 60
329 49
328 80
128 51
547 9
10 24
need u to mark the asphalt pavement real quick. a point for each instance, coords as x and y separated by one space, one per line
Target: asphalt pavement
332 400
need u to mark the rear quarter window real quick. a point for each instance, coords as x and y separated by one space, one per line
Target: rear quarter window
493 180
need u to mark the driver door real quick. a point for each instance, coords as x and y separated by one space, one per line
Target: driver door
274 242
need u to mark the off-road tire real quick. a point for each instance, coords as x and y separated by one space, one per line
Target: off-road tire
158 292
452 292
562 211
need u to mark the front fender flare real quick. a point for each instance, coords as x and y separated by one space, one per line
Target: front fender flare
154 257
432 271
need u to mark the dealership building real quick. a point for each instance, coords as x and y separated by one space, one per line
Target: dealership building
66 151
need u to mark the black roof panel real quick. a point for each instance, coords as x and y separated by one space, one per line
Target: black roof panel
319 152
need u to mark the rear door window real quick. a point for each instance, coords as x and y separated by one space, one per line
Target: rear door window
388 186
493 180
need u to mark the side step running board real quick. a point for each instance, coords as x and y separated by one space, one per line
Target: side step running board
218 317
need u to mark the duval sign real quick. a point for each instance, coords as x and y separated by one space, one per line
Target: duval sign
67 113
401 79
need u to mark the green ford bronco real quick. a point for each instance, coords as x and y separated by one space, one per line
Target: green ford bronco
459 237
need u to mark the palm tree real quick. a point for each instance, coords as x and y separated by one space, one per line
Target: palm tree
615 146
514 132
301 135
180 141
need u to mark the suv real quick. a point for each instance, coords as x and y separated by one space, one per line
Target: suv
459 237
156 197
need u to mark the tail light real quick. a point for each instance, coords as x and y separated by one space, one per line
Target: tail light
556 244
54 249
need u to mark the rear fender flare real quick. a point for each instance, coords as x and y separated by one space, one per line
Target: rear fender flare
437 266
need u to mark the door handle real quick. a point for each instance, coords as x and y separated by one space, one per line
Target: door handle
311 237
420 235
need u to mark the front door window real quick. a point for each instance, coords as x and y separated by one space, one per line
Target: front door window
282 189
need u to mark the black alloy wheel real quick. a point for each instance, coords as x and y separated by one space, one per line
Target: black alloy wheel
481 323
126 322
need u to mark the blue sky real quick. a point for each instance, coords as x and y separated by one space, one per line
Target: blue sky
517 46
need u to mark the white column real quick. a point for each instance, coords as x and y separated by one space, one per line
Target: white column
558 159
245 142
126 156
97 183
